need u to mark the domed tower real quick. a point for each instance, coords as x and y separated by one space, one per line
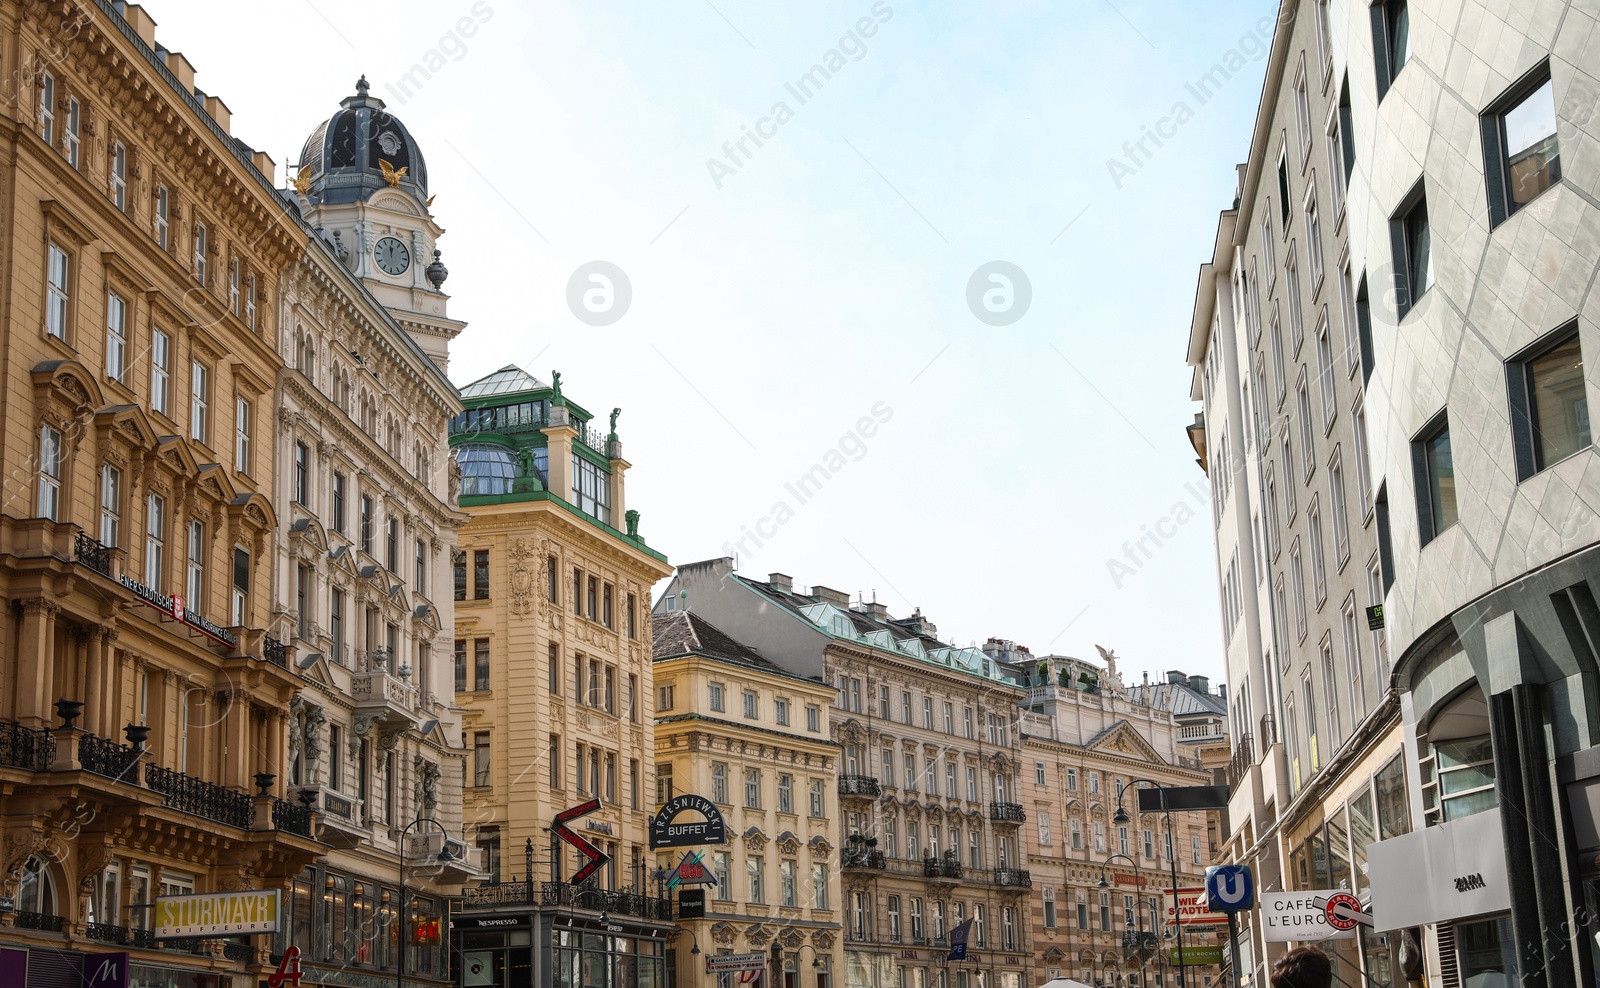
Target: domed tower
363 185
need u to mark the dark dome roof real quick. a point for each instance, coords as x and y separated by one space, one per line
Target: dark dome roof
347 151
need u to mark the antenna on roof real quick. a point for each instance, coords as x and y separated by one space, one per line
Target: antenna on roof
874 595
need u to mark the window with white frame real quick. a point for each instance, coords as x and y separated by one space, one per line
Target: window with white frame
47 108
1298 577
1319 570
49 472
250 301
160 371
233 286
1291 272
195 585
74 131
199 388
58 299
1336 505
119 176
1330 401
1302 109
163 217
241 436
110 506
1313 233
116 336
155 527
200 262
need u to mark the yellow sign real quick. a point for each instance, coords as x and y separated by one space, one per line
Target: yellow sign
223 914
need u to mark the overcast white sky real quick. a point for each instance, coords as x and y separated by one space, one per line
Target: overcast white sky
829 275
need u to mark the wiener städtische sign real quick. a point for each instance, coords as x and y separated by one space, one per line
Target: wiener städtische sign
223 914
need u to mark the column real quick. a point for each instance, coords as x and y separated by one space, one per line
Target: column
36 642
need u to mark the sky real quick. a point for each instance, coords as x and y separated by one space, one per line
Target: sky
923 272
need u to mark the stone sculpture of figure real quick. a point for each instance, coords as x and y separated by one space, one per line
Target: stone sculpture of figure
455 478
555 388
614 413
430 786
525 462
1110 657
632 517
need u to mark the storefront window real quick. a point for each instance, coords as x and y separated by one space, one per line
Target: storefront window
1394 816
1360 836
1466 776
1338 851
1487 954
1377 953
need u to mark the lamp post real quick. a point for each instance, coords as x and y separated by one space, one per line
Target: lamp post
816 960
1121 816
444 855
1139 901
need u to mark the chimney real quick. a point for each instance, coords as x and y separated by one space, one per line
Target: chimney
1200 684
876 611
837 598
219 112
181 68
1176 676
264 165
142 23
781 581
1222 690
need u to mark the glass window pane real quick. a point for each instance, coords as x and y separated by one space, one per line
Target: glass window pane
1559 403
1441 481
1532 152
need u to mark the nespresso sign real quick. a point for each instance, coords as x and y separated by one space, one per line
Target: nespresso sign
1439 874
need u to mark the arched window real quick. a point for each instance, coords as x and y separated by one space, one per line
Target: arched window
37 891
486 468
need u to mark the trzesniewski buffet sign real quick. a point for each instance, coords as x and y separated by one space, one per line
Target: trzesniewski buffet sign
223 914
664 832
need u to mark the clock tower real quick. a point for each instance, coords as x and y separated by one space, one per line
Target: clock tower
362 184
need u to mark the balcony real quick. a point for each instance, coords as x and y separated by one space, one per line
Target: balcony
43 922
1140 940
1007 813
864 858
491 895
91 553
187 794
561 894
291 819
1013 878
860 785
947 867
341 819
30 748
384 696
1243 758
119 762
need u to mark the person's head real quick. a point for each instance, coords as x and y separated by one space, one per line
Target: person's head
1303 967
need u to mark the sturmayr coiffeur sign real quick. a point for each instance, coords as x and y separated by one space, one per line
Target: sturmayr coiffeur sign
712 830
223 914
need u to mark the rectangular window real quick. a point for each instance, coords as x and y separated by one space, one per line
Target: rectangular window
780 711
1302 110
163 218
110 506
1279 363
1319 571
421 567
606 606
819 807
1291 287
1522 156
196 583
594 587
1313 234
160 371
819 886
480 664
366 524
719 783
633 627
391 543
1330 401
233 286
241 436
241 587
752 789
480 758
1298 577
302 473
1336 505
591 489
119 176
74 131
200 260
1391 41
1435 480
47 109
785 793
1307 434
250 301
155 527
751 705
1549 402
715 697
1411 240
56 304
813 718
116 336
480 574
199 386
1283 192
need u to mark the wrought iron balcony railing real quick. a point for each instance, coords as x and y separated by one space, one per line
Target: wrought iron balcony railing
941 868
109 759
860 785
31 748
39 921
862 858
275 652
1007 813
106 933
290 818
207 799
605 900
92 553
1243 758
1014 878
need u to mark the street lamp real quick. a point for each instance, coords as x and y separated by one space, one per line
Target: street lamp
1144 973
1121 816
444 856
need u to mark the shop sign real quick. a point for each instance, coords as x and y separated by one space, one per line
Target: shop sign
736 963
176 608
691 903
665 833
223 914
105 970
487 922
1123 878
596 857
1289 917
288 972
1375 617
1192 908
8 904
1196 956
1439 874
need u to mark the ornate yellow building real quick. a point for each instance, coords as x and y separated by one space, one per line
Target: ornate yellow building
740 731
553 673
142 703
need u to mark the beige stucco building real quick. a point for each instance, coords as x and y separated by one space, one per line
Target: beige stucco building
754 739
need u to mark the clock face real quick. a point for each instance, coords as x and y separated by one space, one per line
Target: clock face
392 256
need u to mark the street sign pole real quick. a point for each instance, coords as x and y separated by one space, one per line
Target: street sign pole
1233 947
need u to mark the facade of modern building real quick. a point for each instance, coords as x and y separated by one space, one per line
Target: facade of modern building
1277 346
1086 751
1457 204
143 245
740 731
362 558
1473 212
930 815
553 673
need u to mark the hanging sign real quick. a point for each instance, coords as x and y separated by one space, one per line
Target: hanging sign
288 972
1301 917
596 856
665 833
1191 907
223 914
736 963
